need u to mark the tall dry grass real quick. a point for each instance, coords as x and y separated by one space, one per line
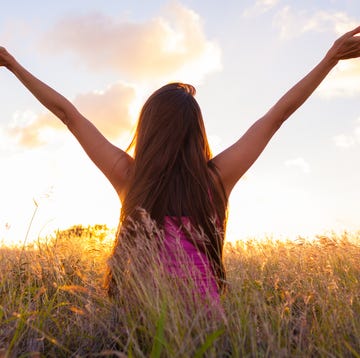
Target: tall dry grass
284 299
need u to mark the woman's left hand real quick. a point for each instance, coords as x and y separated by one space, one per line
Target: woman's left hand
345 47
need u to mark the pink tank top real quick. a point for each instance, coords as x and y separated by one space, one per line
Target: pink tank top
182 259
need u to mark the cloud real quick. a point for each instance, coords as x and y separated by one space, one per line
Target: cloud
299 163
348 140
108 110
26 127
344 141
159 47
171 46
260 7
293 23
343 81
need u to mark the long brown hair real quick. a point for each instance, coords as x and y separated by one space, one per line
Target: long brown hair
173 174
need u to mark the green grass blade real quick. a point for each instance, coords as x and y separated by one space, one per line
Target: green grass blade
352 350
210 339
159 341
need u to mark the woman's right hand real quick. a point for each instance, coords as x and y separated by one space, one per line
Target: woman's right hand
5 57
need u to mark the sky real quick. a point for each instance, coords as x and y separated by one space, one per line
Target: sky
108 56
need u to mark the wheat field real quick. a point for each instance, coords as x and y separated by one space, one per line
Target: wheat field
284 299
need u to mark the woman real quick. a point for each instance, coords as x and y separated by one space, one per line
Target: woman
172 175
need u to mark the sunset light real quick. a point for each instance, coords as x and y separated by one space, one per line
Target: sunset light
241 58
231 225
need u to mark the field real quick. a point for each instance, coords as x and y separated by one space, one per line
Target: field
284 299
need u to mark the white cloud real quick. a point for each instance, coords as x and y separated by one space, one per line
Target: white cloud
160 47
343 81
26 127
344 141
299 163
172 46
293 23
260 7
348 140
108 110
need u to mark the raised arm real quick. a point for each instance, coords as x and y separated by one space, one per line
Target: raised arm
234 161
112 161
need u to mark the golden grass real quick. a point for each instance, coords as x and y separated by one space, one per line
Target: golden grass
298 299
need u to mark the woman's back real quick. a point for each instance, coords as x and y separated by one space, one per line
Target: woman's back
173 176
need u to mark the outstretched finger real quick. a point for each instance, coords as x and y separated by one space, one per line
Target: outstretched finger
353 32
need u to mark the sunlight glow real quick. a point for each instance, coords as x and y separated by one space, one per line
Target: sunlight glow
307 180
